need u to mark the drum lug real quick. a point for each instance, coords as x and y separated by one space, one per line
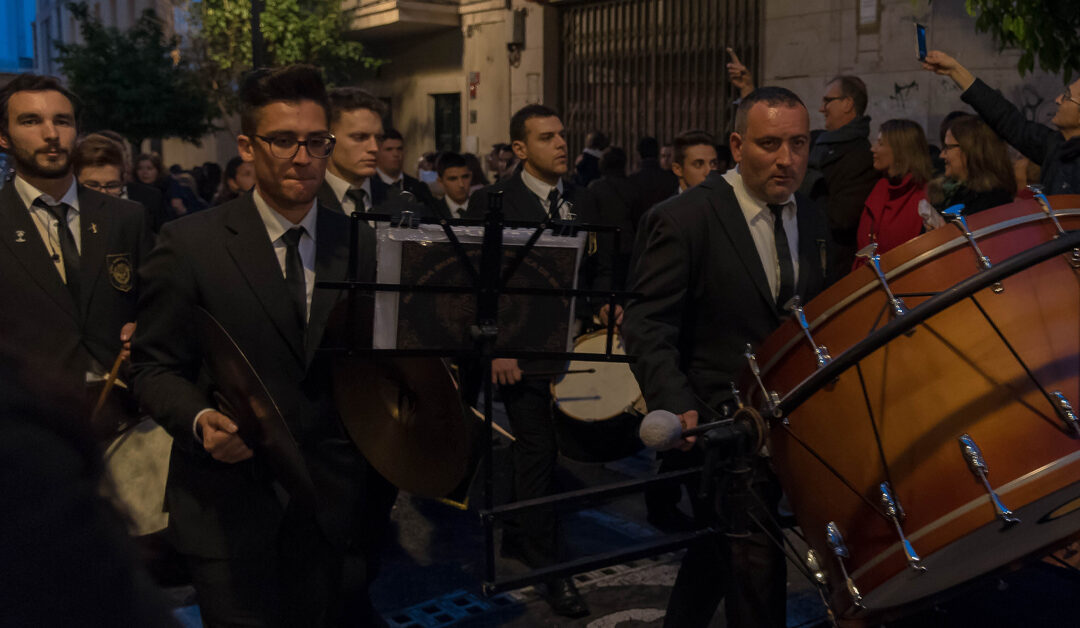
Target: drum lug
839 548
1065 411
956 215
869 253
1037 190
820 351
772 400
975 461
895 512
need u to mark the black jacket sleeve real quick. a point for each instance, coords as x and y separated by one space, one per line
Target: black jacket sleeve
1034 140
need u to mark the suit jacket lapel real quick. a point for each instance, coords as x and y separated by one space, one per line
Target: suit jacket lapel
95 231
331 263
250 248
726 207
809 253
521 197
328 199
18 233
378 190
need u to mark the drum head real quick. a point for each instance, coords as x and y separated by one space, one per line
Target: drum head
137 465
605 394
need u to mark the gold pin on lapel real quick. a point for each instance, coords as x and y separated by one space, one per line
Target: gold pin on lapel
20 236
93 227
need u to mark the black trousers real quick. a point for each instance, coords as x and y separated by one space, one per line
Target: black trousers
749 570
533 534
304 582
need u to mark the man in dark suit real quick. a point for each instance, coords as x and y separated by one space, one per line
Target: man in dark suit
613 198
257 557
534 192
587 166
455 177
390 173
652 184
720 263
69 253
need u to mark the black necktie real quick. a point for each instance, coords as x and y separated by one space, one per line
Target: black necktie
294 273
783 255
553 203
68 250
357 195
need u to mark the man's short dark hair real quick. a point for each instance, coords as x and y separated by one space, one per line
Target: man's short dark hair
503 148
32 83
96 150
523 115
597 140
613 161
292 83
685 140
852 87
648 148
450 159
771 96
344 99
393 134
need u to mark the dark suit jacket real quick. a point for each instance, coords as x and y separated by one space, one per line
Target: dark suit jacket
705 295
223 261
151 198
587 170
613 198
388 200
652 184
47 321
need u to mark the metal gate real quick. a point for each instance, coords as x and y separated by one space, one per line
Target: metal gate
652 67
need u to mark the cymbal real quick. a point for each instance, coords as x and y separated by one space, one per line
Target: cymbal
405 415
245 400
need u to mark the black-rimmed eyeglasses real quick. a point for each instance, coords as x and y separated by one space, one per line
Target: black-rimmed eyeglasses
287 146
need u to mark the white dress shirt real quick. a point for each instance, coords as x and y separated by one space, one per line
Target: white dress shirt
47 225
541 189
341 186
456 210
760 219
387 179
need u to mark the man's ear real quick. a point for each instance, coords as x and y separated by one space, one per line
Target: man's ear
518 147
735 142
245 148
676 169
5 143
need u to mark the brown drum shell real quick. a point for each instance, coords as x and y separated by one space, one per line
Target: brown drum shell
953 375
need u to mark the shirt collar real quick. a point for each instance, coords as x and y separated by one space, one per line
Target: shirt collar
454 207
387 179
752 206
28 194
595 153
538 187
341 186
276 224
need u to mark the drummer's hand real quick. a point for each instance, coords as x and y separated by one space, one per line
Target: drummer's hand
688 420
126 332
221 438
505 371
603 315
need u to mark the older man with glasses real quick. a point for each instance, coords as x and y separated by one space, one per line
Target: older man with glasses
1057 151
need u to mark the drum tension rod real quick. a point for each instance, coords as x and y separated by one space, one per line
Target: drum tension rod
821 352
975 461
839 548
820 581
772 400
896 513
1037 190
956 215
1065 411
869 253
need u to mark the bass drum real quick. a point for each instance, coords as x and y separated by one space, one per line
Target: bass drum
597 414
882 462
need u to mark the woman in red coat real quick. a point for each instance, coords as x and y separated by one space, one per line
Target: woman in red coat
890 216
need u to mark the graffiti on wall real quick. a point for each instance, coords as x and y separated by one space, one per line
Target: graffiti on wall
1033 104
900 93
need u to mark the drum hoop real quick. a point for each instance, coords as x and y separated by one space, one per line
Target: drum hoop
978 502
615 337
958 242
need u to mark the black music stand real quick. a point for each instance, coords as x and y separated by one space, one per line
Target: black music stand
489 280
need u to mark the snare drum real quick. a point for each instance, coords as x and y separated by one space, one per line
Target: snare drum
137 465
597 415
894 420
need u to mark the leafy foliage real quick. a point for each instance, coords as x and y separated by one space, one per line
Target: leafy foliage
1044 30
294 31
131 81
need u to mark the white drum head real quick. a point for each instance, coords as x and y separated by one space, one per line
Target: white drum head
607 393
137 465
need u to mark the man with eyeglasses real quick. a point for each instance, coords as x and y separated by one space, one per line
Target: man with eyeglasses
840 173
258 557
68 253
1056 151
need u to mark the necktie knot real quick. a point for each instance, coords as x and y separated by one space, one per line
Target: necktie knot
777 210
292 236
358 196
58 211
